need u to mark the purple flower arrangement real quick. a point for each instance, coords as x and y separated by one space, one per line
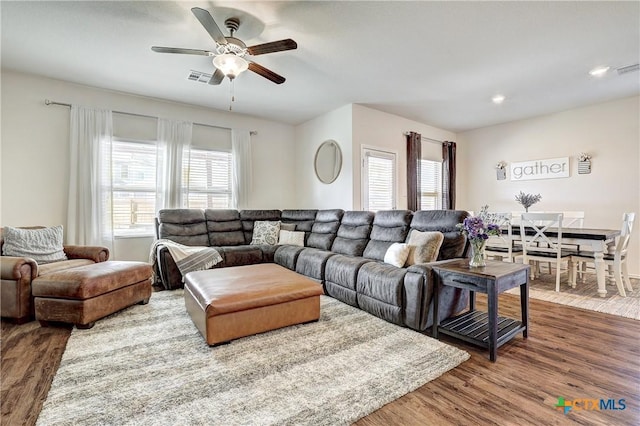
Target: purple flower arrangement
475 228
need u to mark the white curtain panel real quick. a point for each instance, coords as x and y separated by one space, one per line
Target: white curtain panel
241 173
89 219
174 142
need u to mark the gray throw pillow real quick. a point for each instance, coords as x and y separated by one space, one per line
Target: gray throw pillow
42 245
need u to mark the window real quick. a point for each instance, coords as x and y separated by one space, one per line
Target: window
133 177
207 178
430 185
378 180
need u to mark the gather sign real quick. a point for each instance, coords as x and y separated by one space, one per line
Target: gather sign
551 168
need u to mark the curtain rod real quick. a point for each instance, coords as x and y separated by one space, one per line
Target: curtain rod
425 138
48 102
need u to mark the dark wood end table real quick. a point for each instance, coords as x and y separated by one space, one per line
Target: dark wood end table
485 329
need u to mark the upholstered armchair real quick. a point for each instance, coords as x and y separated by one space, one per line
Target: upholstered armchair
17 273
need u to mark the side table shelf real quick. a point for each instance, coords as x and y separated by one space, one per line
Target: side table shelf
473 327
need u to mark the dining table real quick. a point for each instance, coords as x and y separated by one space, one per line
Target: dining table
599 241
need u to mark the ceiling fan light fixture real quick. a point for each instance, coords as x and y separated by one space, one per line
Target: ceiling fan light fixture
231 65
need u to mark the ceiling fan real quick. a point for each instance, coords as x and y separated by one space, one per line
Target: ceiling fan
229 53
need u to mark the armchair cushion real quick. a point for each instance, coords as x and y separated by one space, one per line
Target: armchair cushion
42 245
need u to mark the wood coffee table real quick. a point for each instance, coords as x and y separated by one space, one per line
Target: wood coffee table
485 329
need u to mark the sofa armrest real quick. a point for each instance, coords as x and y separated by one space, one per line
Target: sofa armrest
16 268
97 254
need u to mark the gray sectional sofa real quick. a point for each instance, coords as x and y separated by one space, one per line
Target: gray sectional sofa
343 250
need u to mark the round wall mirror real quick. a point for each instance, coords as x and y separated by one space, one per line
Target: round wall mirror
328 161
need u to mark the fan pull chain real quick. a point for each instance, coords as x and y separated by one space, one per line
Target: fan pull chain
232 94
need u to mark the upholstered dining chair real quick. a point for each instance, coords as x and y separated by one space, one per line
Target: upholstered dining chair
616 262
538 247
502 246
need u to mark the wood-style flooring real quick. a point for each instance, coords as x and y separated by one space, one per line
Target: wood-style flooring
570 353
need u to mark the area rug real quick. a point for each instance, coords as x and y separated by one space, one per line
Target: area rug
585 295
148 365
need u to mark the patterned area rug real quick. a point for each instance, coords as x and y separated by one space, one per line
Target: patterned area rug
148 365
585 295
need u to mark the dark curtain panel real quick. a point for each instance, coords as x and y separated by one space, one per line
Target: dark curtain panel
414 153
448 175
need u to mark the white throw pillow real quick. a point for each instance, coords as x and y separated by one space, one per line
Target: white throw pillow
294 238
396 254
424 246
265 232
43 245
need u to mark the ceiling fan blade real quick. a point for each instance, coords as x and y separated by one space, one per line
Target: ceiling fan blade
161 49
209 24
274 46
216 78
266 73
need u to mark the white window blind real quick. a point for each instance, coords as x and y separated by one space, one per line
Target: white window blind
133 177
207 176
430 185
379 180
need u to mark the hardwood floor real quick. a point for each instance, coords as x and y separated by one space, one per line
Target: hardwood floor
570 353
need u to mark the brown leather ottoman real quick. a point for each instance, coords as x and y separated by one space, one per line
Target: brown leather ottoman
87 293
239 301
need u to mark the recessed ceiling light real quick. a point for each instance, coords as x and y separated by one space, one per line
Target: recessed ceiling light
498 99
599 71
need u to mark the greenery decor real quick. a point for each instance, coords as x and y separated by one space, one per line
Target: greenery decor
527 200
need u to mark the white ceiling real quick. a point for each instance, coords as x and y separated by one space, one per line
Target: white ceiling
438 63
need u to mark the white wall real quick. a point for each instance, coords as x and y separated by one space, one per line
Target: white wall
377 129
609 131
35 155
310 192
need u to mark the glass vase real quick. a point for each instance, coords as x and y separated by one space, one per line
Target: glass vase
477 253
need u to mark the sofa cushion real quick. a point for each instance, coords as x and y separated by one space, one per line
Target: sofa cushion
240 255
302 219
224 227
389 226
265 232
44 245
311 263
341 274
62 265
287 256
423 246
324 229
353 233
444 221
184 226
380 291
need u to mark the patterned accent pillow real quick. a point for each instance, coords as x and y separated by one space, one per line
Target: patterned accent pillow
265 232
294 238
396 254
43 245
424 246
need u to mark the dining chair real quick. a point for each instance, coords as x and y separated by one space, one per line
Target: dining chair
616 262
501 247
570 219
538 247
